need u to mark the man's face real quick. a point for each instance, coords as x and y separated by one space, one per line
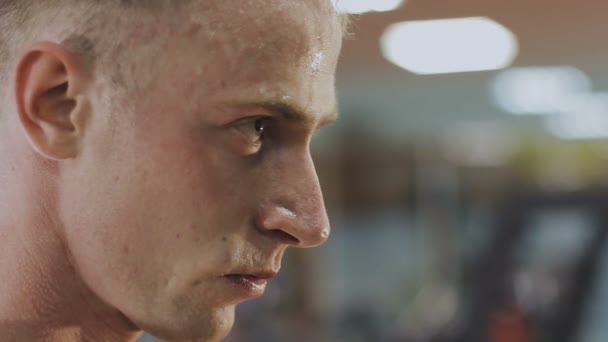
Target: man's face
175 210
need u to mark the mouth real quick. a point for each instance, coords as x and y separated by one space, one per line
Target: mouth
251 278
250 284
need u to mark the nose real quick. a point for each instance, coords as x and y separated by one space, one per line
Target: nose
295 213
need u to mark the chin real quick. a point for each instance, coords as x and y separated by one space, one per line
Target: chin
210 326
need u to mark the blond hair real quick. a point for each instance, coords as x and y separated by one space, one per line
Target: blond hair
96 30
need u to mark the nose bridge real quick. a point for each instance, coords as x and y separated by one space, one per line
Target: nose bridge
299 209
312 203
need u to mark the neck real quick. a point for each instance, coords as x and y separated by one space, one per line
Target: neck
45 299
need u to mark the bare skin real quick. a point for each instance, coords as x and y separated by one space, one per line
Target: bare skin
132 214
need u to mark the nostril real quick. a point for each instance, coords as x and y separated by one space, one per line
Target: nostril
285 237
285 226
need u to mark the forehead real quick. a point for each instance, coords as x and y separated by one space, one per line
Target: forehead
285 31
263 45
264 18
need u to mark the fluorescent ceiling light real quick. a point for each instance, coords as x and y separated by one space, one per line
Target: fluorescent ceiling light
363 6
538 90
449 45
585 117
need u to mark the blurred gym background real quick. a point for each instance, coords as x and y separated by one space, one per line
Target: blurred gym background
466 181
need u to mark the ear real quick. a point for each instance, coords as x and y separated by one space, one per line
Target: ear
50 93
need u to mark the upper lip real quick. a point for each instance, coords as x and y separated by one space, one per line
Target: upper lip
261 274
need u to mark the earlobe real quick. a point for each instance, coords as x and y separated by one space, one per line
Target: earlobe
49 92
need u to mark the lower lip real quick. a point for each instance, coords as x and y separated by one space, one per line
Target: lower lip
249 286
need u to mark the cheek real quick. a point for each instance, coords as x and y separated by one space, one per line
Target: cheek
193 193
186 170
160 201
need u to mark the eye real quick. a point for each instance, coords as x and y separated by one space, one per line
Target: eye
259 126
255 129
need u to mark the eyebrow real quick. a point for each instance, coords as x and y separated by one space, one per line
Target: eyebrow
291 112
